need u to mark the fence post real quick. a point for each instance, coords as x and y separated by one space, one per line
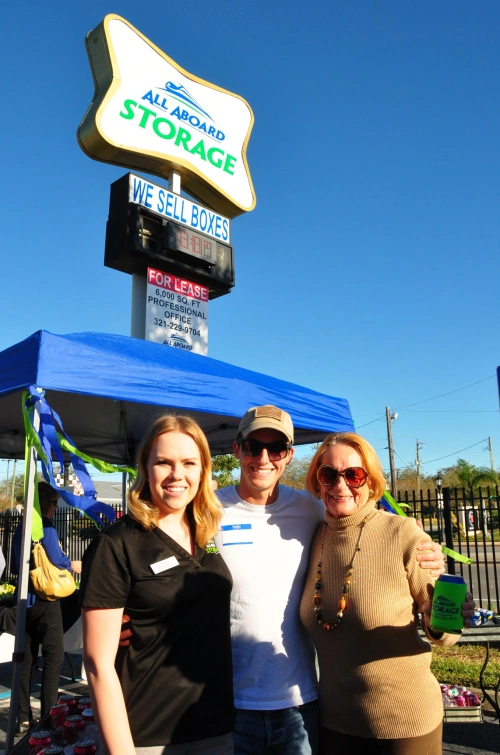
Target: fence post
448 528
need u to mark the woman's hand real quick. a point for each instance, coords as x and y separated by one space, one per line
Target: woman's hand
468 608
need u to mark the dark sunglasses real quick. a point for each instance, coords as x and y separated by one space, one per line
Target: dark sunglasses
276 451
355 477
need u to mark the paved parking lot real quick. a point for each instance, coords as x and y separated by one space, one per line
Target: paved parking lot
459 738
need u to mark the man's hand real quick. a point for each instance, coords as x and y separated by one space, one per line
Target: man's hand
126 632
430 556
76 566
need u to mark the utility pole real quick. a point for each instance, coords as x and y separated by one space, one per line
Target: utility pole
389 418
491 454
13 485
418 466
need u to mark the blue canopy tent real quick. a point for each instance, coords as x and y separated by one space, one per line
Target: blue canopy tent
106 389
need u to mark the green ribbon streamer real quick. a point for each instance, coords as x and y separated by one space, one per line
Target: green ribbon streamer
447 551
102 466
32 440
455 555
397 508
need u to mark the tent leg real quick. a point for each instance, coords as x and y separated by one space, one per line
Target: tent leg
22 586
124 492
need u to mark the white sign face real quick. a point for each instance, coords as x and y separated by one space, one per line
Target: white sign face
176 312
151 114
178 208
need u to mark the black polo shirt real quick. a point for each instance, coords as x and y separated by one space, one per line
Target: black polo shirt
176 674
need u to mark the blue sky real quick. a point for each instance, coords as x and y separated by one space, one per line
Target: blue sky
369 268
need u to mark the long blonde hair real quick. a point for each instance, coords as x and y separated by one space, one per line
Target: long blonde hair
206 509
371 463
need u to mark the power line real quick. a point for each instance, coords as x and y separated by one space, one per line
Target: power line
372 421
370 414
451 411
455 452
408 463
398 408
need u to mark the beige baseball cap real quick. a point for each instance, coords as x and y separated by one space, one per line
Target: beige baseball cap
266 418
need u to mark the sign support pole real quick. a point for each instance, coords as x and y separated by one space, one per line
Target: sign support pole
139 282
138 314
174 182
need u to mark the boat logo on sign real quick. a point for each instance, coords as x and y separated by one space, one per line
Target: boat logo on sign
175 105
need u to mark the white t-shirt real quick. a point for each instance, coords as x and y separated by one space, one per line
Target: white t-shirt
267 550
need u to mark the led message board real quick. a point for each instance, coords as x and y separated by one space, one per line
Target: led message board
148 226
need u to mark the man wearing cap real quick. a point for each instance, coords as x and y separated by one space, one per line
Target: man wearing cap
265 536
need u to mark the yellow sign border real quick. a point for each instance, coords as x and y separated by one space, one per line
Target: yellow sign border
107 78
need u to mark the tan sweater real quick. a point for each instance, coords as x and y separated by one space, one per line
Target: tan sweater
375 678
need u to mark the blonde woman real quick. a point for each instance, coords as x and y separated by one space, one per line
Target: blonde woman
170 690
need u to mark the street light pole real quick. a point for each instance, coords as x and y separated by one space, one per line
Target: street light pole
439 505
390 417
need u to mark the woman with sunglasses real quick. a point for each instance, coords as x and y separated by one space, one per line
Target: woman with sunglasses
170 690
360 603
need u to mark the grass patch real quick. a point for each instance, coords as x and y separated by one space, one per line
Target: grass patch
461 665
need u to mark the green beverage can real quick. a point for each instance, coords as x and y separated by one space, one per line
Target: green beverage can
449 594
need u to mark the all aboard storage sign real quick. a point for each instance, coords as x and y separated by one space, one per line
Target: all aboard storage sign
151 114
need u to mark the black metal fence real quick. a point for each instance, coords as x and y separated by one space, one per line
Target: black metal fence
75 533
465 521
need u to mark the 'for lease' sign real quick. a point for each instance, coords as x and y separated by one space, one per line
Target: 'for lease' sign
176 312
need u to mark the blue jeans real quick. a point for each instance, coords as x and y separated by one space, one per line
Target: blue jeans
290 731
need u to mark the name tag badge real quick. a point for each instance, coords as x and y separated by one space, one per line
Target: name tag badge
237 534
167 563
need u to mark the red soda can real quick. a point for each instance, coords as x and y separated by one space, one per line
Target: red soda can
70 701
88 715
83 703
472 699
38 741
460 701
58 715
73 727
85 747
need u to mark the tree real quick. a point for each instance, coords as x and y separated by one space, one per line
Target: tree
295 473
6 491
471 476
223 467
407 480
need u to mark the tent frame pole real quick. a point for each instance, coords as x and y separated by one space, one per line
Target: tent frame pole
124 492
22 586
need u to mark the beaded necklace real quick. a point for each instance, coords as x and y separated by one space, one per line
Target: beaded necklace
327 626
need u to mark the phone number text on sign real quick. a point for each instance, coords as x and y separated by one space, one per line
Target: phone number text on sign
176 312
